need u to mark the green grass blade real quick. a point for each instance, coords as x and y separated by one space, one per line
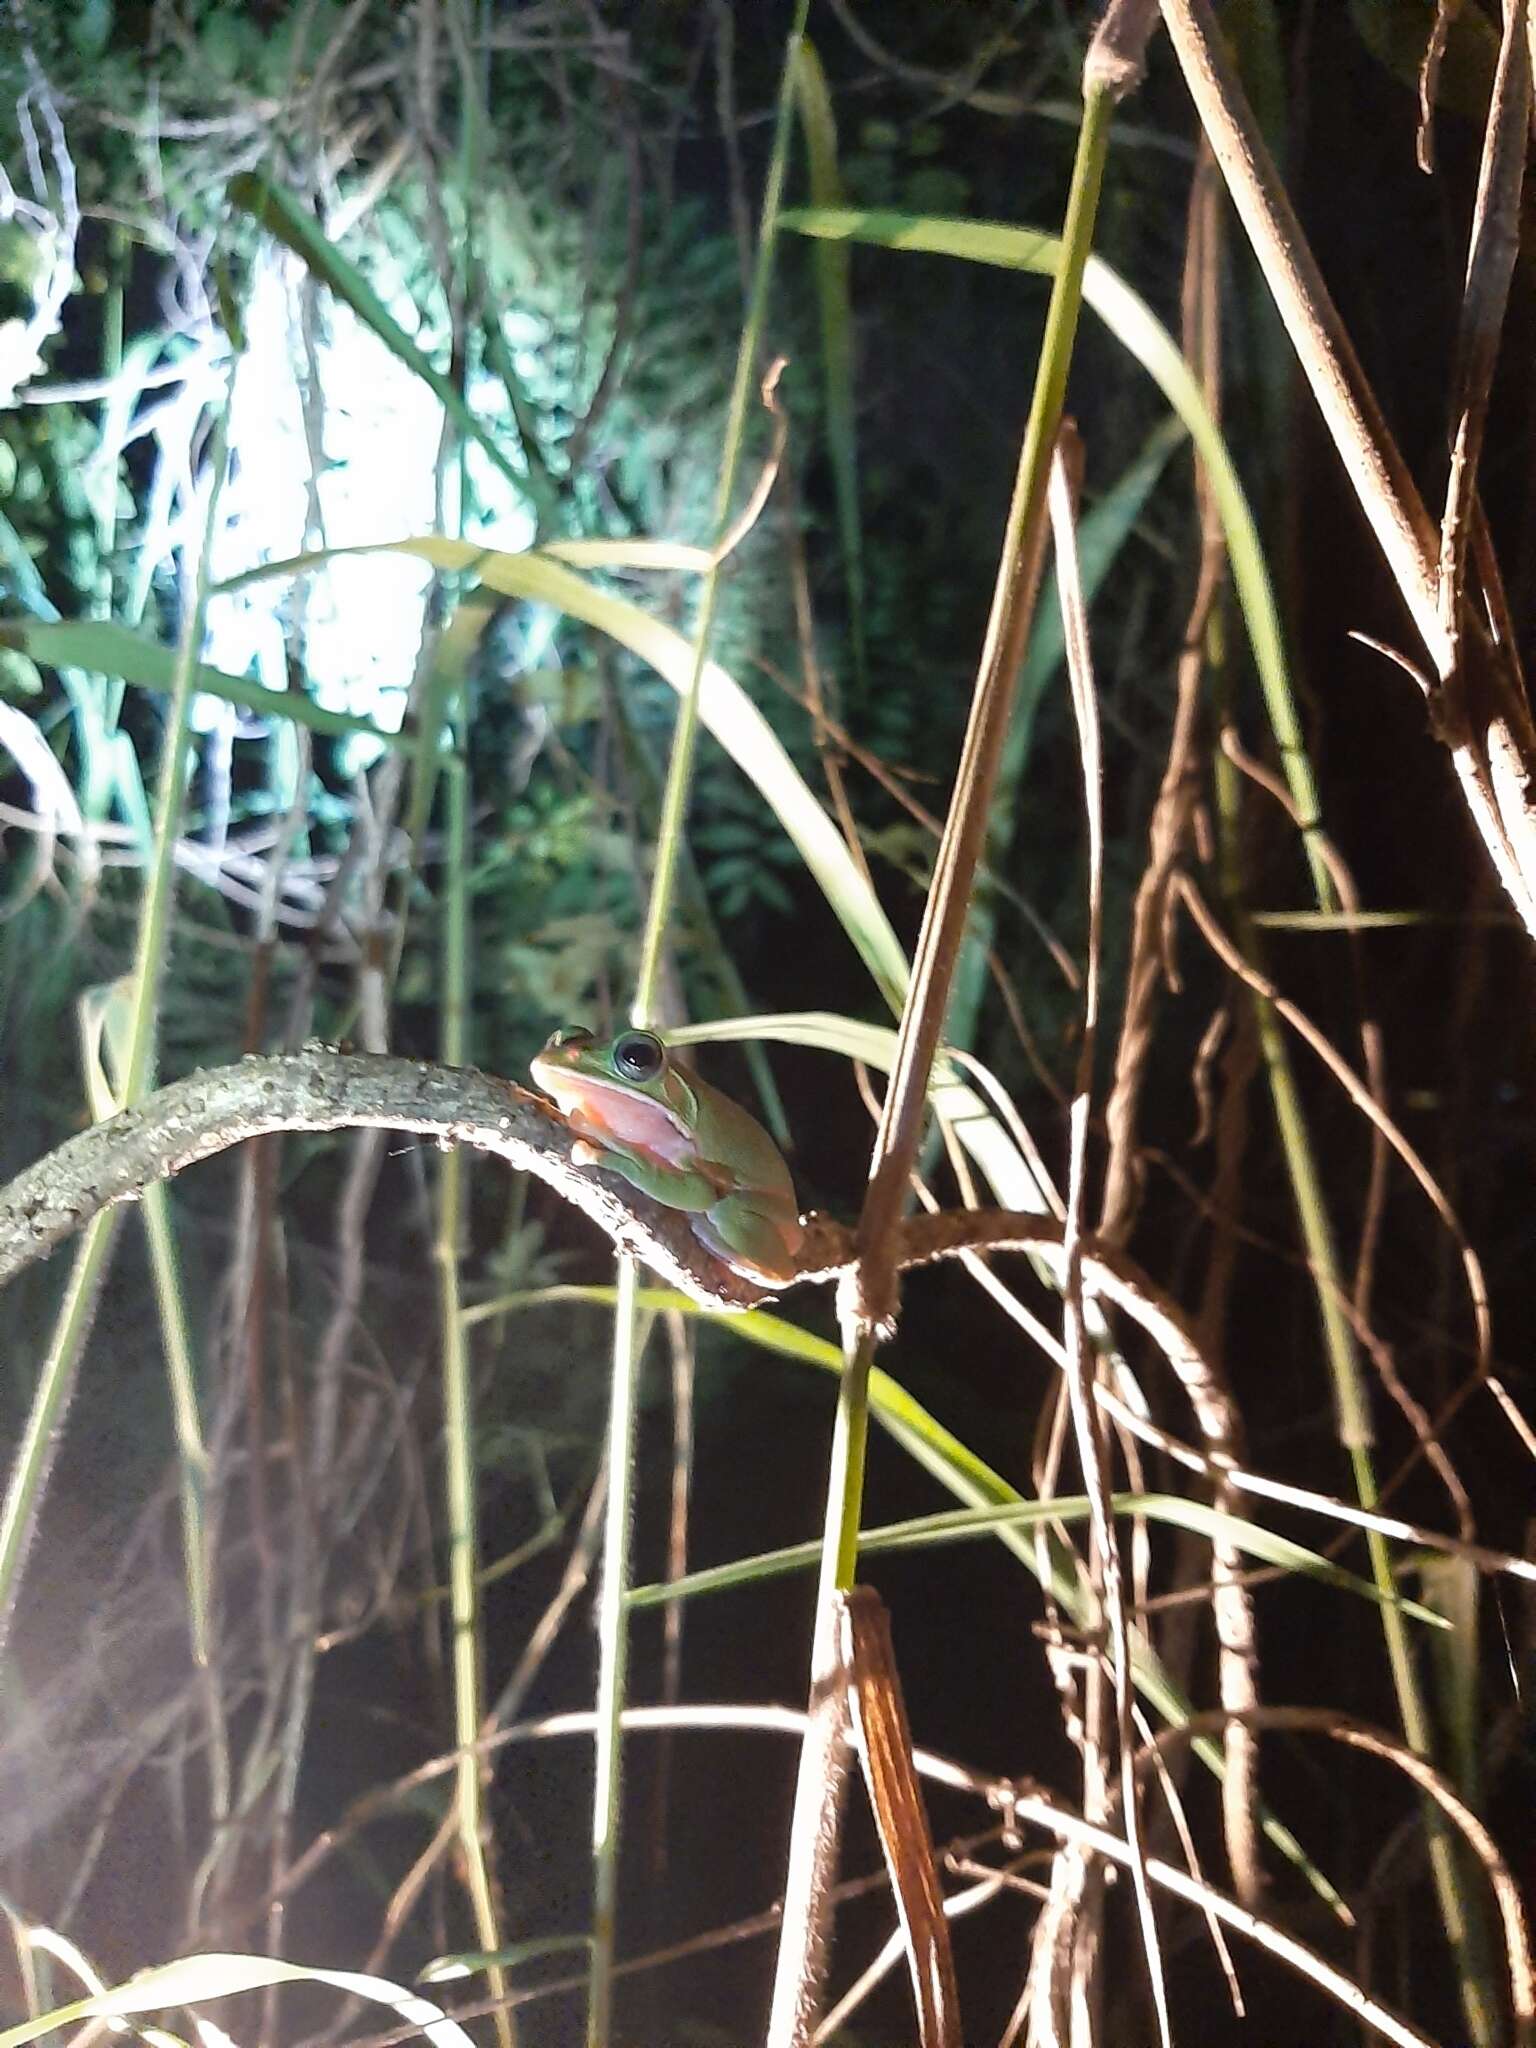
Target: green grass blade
118 651
724 707
1453 1588
44 1425
57 1376
1137 328
924 1532
461 1507
462 1963
963 1107
818 125
105 1022
181 1379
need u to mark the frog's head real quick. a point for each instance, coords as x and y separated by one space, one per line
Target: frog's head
626 1087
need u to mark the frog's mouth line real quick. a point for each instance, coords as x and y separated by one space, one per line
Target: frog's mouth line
550 1075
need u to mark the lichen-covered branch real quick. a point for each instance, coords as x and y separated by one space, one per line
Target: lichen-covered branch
320 1089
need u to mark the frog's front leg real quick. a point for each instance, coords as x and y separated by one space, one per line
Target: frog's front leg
753 1237
676 1186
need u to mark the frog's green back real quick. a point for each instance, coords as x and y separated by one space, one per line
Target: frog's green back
730 1136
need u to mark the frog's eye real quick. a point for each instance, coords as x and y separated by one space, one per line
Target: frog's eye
638 1056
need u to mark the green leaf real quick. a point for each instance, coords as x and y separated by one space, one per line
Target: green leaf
116 651
925 1531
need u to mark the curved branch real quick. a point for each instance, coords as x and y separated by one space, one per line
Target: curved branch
320 1089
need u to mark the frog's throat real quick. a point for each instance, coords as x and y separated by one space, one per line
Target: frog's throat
625 1120
568 1098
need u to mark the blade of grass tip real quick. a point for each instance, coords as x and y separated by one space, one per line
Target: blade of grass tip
819 125
613 1626
962 1525
56 1378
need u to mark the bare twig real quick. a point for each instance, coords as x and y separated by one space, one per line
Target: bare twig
1429 78
1381 478
1361 1096
1490 265
1092 1449
1479 707
320 1090
1173 812
1429 1781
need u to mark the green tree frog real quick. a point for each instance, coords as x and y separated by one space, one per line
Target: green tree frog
671 1135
